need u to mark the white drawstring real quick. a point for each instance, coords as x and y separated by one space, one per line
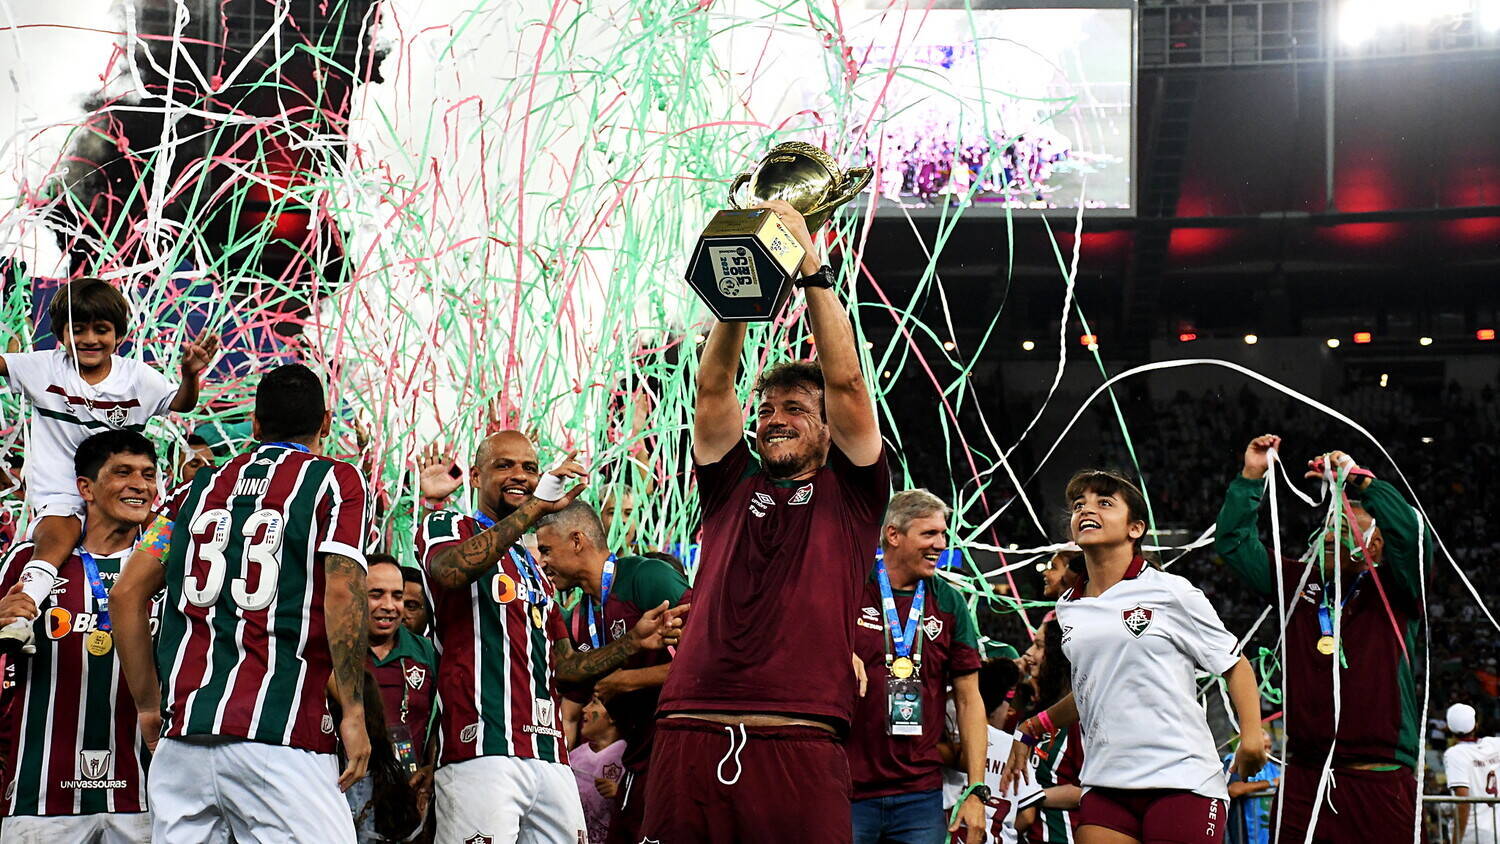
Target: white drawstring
735 752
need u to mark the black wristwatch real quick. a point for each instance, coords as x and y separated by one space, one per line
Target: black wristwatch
981 791
822 278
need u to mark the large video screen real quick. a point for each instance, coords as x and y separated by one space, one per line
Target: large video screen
989 108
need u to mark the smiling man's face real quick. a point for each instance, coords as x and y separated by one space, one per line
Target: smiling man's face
124 489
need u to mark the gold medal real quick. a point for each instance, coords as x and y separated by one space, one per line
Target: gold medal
1325 645
99 642
536 616
902 667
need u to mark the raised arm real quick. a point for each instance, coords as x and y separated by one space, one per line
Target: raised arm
718 419
196 356
461 563
1404 557
346 611
846 396
1236 537
130 617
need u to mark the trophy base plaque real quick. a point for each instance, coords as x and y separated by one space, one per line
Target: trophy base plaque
743 265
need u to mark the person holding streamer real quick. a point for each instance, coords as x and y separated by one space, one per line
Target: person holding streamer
916 638
1135 635
1363 604
763 685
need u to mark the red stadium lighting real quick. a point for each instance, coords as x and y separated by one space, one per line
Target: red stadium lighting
1187 337
1484 334
1362 337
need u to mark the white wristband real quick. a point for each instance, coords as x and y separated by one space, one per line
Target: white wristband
549 488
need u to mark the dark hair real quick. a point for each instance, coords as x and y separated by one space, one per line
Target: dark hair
996 678
87 300
289 403
95 451
1100 482
1076 562
393 802
195 440
791 373
1056 678
412 574
380 558
669 559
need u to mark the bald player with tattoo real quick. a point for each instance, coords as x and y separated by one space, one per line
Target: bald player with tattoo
503 773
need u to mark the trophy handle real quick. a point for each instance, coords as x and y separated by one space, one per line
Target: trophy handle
854 181
734 188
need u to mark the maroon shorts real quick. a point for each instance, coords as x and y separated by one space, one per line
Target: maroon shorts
629 810
1359 807
721 783
1156 815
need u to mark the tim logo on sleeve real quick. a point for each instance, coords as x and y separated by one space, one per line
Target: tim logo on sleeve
1137 619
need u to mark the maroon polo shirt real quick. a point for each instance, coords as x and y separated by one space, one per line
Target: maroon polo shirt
881 764
408 683
779 575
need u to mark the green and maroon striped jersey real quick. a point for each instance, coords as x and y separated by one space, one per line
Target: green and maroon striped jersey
243 649
496 690
73 747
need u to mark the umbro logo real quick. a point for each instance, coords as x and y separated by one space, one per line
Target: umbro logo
869 618
761 504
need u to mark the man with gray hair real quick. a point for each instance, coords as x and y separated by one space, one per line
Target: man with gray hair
916 638
574 552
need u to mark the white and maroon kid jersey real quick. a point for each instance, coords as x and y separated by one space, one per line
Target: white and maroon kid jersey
66 410
72 746
495 684
1134 650
1475 765
1001 810
243 647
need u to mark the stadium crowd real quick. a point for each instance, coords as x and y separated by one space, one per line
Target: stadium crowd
239 659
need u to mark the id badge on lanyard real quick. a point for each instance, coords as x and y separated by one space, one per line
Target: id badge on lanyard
405 747
904 698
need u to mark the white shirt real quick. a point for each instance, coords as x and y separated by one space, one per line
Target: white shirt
1027 793
66 411
1134 650
1475 765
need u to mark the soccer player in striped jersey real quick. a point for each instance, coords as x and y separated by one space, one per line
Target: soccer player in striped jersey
265 613
503 773
76 759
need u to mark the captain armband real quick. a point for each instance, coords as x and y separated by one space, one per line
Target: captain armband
157 538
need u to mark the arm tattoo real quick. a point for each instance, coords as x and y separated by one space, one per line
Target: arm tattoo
575 666
459 565
346 618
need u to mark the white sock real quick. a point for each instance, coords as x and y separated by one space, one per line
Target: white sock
36 581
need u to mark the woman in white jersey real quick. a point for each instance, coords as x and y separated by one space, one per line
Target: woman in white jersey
1136 636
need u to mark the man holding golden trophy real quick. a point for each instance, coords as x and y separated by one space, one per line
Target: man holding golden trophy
761 693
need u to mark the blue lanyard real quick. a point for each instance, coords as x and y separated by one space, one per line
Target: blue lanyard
1325 616
535 594
901 640
293 446
96 583
606 583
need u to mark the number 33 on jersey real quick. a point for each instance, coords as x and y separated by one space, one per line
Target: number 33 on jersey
245 595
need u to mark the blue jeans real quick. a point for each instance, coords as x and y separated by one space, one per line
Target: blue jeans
900 819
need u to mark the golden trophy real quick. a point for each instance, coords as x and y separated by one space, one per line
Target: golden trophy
745 259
